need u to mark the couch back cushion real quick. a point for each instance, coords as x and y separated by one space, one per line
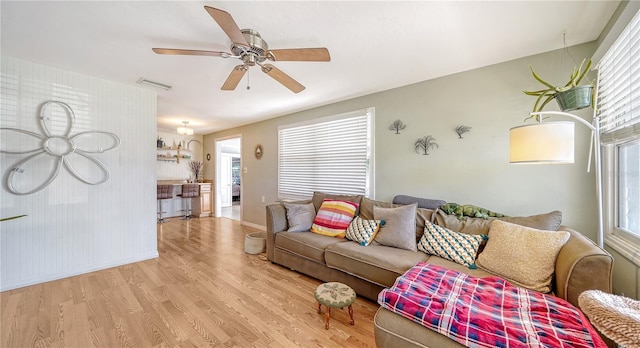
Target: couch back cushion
548 221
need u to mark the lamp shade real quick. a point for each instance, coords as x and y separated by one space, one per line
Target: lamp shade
549 142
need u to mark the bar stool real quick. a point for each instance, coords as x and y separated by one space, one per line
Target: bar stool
164 192
189 191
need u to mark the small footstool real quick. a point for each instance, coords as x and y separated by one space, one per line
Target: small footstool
335 295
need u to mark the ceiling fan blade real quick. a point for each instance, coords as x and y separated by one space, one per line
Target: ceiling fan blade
234 78
319 54
228 25
190 52
283 78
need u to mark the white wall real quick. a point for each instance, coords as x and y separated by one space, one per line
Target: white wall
72 227
473 170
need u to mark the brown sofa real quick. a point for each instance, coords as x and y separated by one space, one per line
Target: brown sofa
580 265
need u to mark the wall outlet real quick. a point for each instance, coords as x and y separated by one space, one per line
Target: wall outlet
262 199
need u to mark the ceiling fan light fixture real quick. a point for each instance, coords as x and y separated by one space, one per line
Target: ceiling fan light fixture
158 85
184 130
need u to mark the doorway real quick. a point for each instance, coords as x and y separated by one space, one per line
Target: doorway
228 179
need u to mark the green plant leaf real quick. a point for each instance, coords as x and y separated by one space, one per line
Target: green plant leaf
12 217
539 79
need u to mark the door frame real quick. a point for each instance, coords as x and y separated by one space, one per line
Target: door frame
217 198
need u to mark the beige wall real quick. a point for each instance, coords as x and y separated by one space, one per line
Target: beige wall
473 170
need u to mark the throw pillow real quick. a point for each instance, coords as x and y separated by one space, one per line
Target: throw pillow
363 231
319 197
334 217
458 247
523 255
300 216
399 230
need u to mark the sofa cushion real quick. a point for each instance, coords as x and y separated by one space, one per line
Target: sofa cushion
334 217
363 231
523 255
300 216
319 197
455 246
306 244
549 221
376 263
422 214
399 230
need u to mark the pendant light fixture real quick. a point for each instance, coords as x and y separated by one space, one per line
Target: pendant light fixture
184 130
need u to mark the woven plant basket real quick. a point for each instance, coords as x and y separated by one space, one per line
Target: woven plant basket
255 243
575 99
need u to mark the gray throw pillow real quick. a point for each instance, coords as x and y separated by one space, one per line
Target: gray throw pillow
300 216
399 230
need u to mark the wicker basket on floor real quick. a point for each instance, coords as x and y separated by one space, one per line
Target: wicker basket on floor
255 243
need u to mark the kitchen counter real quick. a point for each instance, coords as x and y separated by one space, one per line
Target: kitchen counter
175 206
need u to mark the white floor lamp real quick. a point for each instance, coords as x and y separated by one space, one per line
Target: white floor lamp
553 142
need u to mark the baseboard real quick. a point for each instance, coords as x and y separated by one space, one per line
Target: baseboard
51 277
256 226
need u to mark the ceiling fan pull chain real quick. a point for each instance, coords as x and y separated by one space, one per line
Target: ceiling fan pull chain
248 82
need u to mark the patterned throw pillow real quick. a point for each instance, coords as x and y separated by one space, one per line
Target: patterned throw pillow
334 217
455 246
363 231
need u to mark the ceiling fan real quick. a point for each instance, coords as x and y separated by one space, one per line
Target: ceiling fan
248 46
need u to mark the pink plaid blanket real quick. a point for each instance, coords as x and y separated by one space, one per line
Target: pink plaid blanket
486 312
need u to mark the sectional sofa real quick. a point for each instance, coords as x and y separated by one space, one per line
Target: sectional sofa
580 264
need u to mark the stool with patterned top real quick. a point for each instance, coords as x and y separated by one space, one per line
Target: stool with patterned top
335 295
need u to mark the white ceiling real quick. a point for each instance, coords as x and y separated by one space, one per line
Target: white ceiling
374 46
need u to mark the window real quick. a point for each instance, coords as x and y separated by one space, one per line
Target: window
629 188
331 154
618 107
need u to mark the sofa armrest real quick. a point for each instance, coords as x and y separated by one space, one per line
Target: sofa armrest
581 265
276 222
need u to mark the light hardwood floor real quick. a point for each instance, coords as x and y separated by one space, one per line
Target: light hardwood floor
202 291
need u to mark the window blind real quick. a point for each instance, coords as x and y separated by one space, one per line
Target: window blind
619 87
328 155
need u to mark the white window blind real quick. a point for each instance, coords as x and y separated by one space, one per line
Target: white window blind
329 155
619 87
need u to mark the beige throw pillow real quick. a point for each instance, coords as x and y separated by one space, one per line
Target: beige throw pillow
522 255
399 230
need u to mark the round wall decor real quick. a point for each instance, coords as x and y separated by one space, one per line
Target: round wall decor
258 151
208 157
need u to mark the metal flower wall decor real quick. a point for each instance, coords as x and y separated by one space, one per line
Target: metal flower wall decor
63 147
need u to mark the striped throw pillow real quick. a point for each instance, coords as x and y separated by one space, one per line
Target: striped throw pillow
333 217
363 231
455 246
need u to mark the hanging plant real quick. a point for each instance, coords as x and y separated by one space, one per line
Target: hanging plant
425 143
570 96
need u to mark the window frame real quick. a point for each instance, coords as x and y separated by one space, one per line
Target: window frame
620 125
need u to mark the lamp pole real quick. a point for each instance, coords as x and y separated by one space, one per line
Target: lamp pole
595 145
